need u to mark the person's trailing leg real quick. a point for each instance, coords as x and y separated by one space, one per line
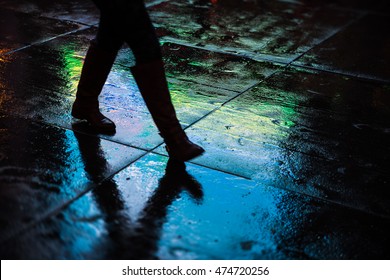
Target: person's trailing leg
97 66
151 80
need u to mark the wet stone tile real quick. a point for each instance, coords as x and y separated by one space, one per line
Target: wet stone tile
133 128
336 116
77 11
43 167
209 68
190 99
41 79
360 50
71 236
273 30
215 69
156 209
39 83
25 29
325 136
24 73
362 5
248 158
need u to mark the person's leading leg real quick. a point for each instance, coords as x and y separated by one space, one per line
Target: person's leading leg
97 65
149 74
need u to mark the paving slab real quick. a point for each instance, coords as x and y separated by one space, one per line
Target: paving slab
83 12
42 168
322 135
156 209
215 69
362 5
360 50
279 31
24 30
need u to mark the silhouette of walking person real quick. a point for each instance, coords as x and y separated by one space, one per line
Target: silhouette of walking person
127 21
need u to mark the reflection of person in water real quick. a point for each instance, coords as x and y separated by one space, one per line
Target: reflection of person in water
123 21
134 239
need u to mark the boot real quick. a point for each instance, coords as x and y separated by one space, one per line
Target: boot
97 66
151 80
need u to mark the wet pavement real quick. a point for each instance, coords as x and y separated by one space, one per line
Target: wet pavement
290 99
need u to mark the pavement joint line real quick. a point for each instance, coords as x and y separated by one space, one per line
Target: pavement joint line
204 84
108 140
66 203
294 62
262 58
155 3
91 135
332 34
47 40
207 167
47 215
333 202
229 100
173 79
88 134
71 20
365 78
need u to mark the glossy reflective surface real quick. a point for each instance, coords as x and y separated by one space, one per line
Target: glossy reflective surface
290 103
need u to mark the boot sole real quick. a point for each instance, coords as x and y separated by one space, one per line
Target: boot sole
190 157
105 130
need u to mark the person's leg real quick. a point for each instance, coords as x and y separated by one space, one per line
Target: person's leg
97 65
151 81
149 74
130 22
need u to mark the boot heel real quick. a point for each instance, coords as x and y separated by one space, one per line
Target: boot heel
82 110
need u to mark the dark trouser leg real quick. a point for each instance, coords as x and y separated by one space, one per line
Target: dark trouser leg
151 80
131 22
97 65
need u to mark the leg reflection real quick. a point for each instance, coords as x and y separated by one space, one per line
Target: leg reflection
171 185
130 238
